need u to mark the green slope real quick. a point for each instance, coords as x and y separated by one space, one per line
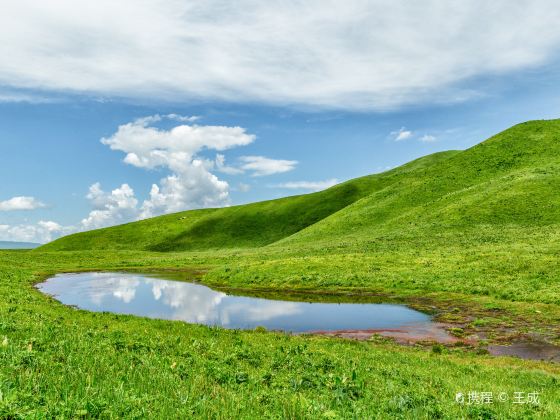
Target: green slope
511 178
250 225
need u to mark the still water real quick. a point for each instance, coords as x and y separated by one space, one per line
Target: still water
155 297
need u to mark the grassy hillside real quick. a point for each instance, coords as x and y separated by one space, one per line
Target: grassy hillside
510 178
250 225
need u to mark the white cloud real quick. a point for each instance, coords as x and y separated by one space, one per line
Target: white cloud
428 138
118 206
21 203
191 183
41 232
222 167
194 187
263 166
109 208
182 118
309 185
259 165
404 134
401 134
352 54
150 147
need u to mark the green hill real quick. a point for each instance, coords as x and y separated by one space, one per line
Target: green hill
509 179
249 225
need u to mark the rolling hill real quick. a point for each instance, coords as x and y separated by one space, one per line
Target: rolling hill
511 179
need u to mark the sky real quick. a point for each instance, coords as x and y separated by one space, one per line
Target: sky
112 112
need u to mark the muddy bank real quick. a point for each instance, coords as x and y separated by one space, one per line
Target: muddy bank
436 333
533 350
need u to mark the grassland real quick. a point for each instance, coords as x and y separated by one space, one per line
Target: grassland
472 236
60 362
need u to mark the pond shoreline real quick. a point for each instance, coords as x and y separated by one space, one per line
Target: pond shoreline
456 332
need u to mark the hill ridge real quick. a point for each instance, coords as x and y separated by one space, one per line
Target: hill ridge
448 184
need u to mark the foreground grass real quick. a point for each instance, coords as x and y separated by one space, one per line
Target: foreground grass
58 361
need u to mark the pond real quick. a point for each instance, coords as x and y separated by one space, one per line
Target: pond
156 297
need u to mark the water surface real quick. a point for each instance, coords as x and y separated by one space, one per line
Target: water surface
155 297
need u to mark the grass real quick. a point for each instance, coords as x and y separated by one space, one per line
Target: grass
472 236
56 361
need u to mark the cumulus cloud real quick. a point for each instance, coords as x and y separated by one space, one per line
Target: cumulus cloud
352 54
262 166
401 134
21 203
194 187
309 185
118 206
149 147
191 183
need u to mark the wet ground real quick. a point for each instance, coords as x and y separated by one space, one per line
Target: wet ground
434 332
437 333
534 350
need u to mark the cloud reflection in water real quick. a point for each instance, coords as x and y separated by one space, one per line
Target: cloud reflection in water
167 299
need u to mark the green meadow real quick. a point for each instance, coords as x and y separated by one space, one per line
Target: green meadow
472 237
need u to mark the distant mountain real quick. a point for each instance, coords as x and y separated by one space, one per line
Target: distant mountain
18 245
507 184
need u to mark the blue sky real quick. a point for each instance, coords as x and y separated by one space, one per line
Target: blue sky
94 114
